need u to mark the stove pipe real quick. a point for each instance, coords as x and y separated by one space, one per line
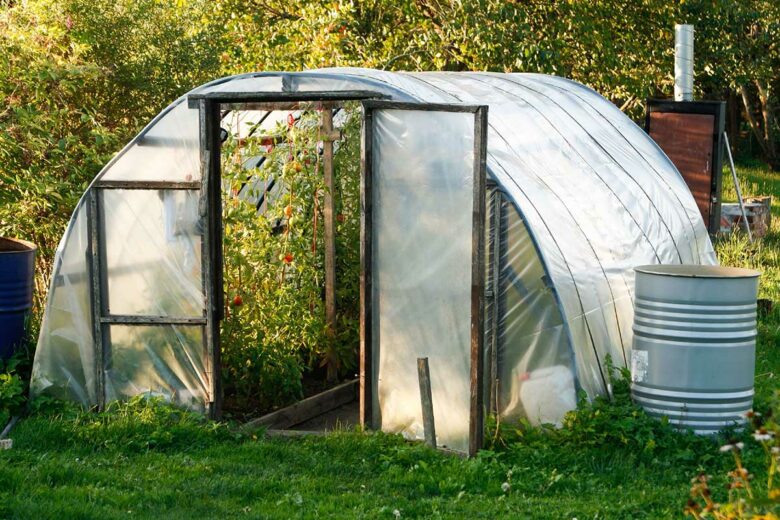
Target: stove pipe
683 62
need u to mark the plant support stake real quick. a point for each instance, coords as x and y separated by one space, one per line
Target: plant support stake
426 399
328 136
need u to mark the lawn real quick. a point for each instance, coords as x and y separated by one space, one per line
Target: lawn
145 460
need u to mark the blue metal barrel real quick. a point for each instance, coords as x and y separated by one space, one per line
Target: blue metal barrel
17 268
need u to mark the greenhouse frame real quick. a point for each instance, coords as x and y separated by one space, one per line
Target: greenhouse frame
501 218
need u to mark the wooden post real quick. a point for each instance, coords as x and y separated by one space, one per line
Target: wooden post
477 404
426 399
368 340
97 305
328 136
495 293
210 210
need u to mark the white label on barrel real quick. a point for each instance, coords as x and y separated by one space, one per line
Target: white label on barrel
638 365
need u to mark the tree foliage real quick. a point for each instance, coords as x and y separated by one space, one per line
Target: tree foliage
621 48
77 80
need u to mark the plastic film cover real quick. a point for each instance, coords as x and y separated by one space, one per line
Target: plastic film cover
64 365
169 150
534 360
153 249
166 361
423 192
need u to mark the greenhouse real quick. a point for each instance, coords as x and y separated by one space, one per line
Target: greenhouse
501 218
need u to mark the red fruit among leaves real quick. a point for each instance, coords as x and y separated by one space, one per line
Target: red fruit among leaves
340 218
288 258
238 301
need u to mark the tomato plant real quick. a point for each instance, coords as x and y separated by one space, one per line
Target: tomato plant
274 258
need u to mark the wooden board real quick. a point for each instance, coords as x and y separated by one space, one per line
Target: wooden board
687 140
308 408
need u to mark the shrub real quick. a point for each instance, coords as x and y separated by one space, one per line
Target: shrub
614 424
11 395
75 85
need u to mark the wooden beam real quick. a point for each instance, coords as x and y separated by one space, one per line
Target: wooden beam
147 185
307 409
367 341
477 404
329 225
277 100
294 434
426 401
152 320
97 293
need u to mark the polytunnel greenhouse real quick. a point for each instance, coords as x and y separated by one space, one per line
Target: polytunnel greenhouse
501 218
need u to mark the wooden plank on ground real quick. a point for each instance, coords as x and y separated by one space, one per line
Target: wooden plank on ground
308 408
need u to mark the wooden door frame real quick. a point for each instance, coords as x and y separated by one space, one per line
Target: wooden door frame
210 106
369 354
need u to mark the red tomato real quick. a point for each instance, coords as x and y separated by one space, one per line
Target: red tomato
288 258
238 301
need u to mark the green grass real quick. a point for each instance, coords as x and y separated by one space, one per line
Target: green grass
148 461
152 462
763 255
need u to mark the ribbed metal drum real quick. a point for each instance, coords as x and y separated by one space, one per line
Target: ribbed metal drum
17 267
693 356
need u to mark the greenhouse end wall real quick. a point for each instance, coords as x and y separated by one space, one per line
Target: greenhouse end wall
586 197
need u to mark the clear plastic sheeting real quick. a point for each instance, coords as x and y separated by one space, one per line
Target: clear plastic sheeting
423 192
534 362
64 364
586 196
165 361
153 267
168 150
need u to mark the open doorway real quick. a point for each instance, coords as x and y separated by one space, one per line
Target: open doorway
290 179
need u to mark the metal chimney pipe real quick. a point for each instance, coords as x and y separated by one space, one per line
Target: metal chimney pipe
683 62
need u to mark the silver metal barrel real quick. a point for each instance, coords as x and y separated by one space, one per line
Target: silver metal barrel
693 356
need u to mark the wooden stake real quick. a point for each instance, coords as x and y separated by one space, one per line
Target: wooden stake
426 399
328 136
